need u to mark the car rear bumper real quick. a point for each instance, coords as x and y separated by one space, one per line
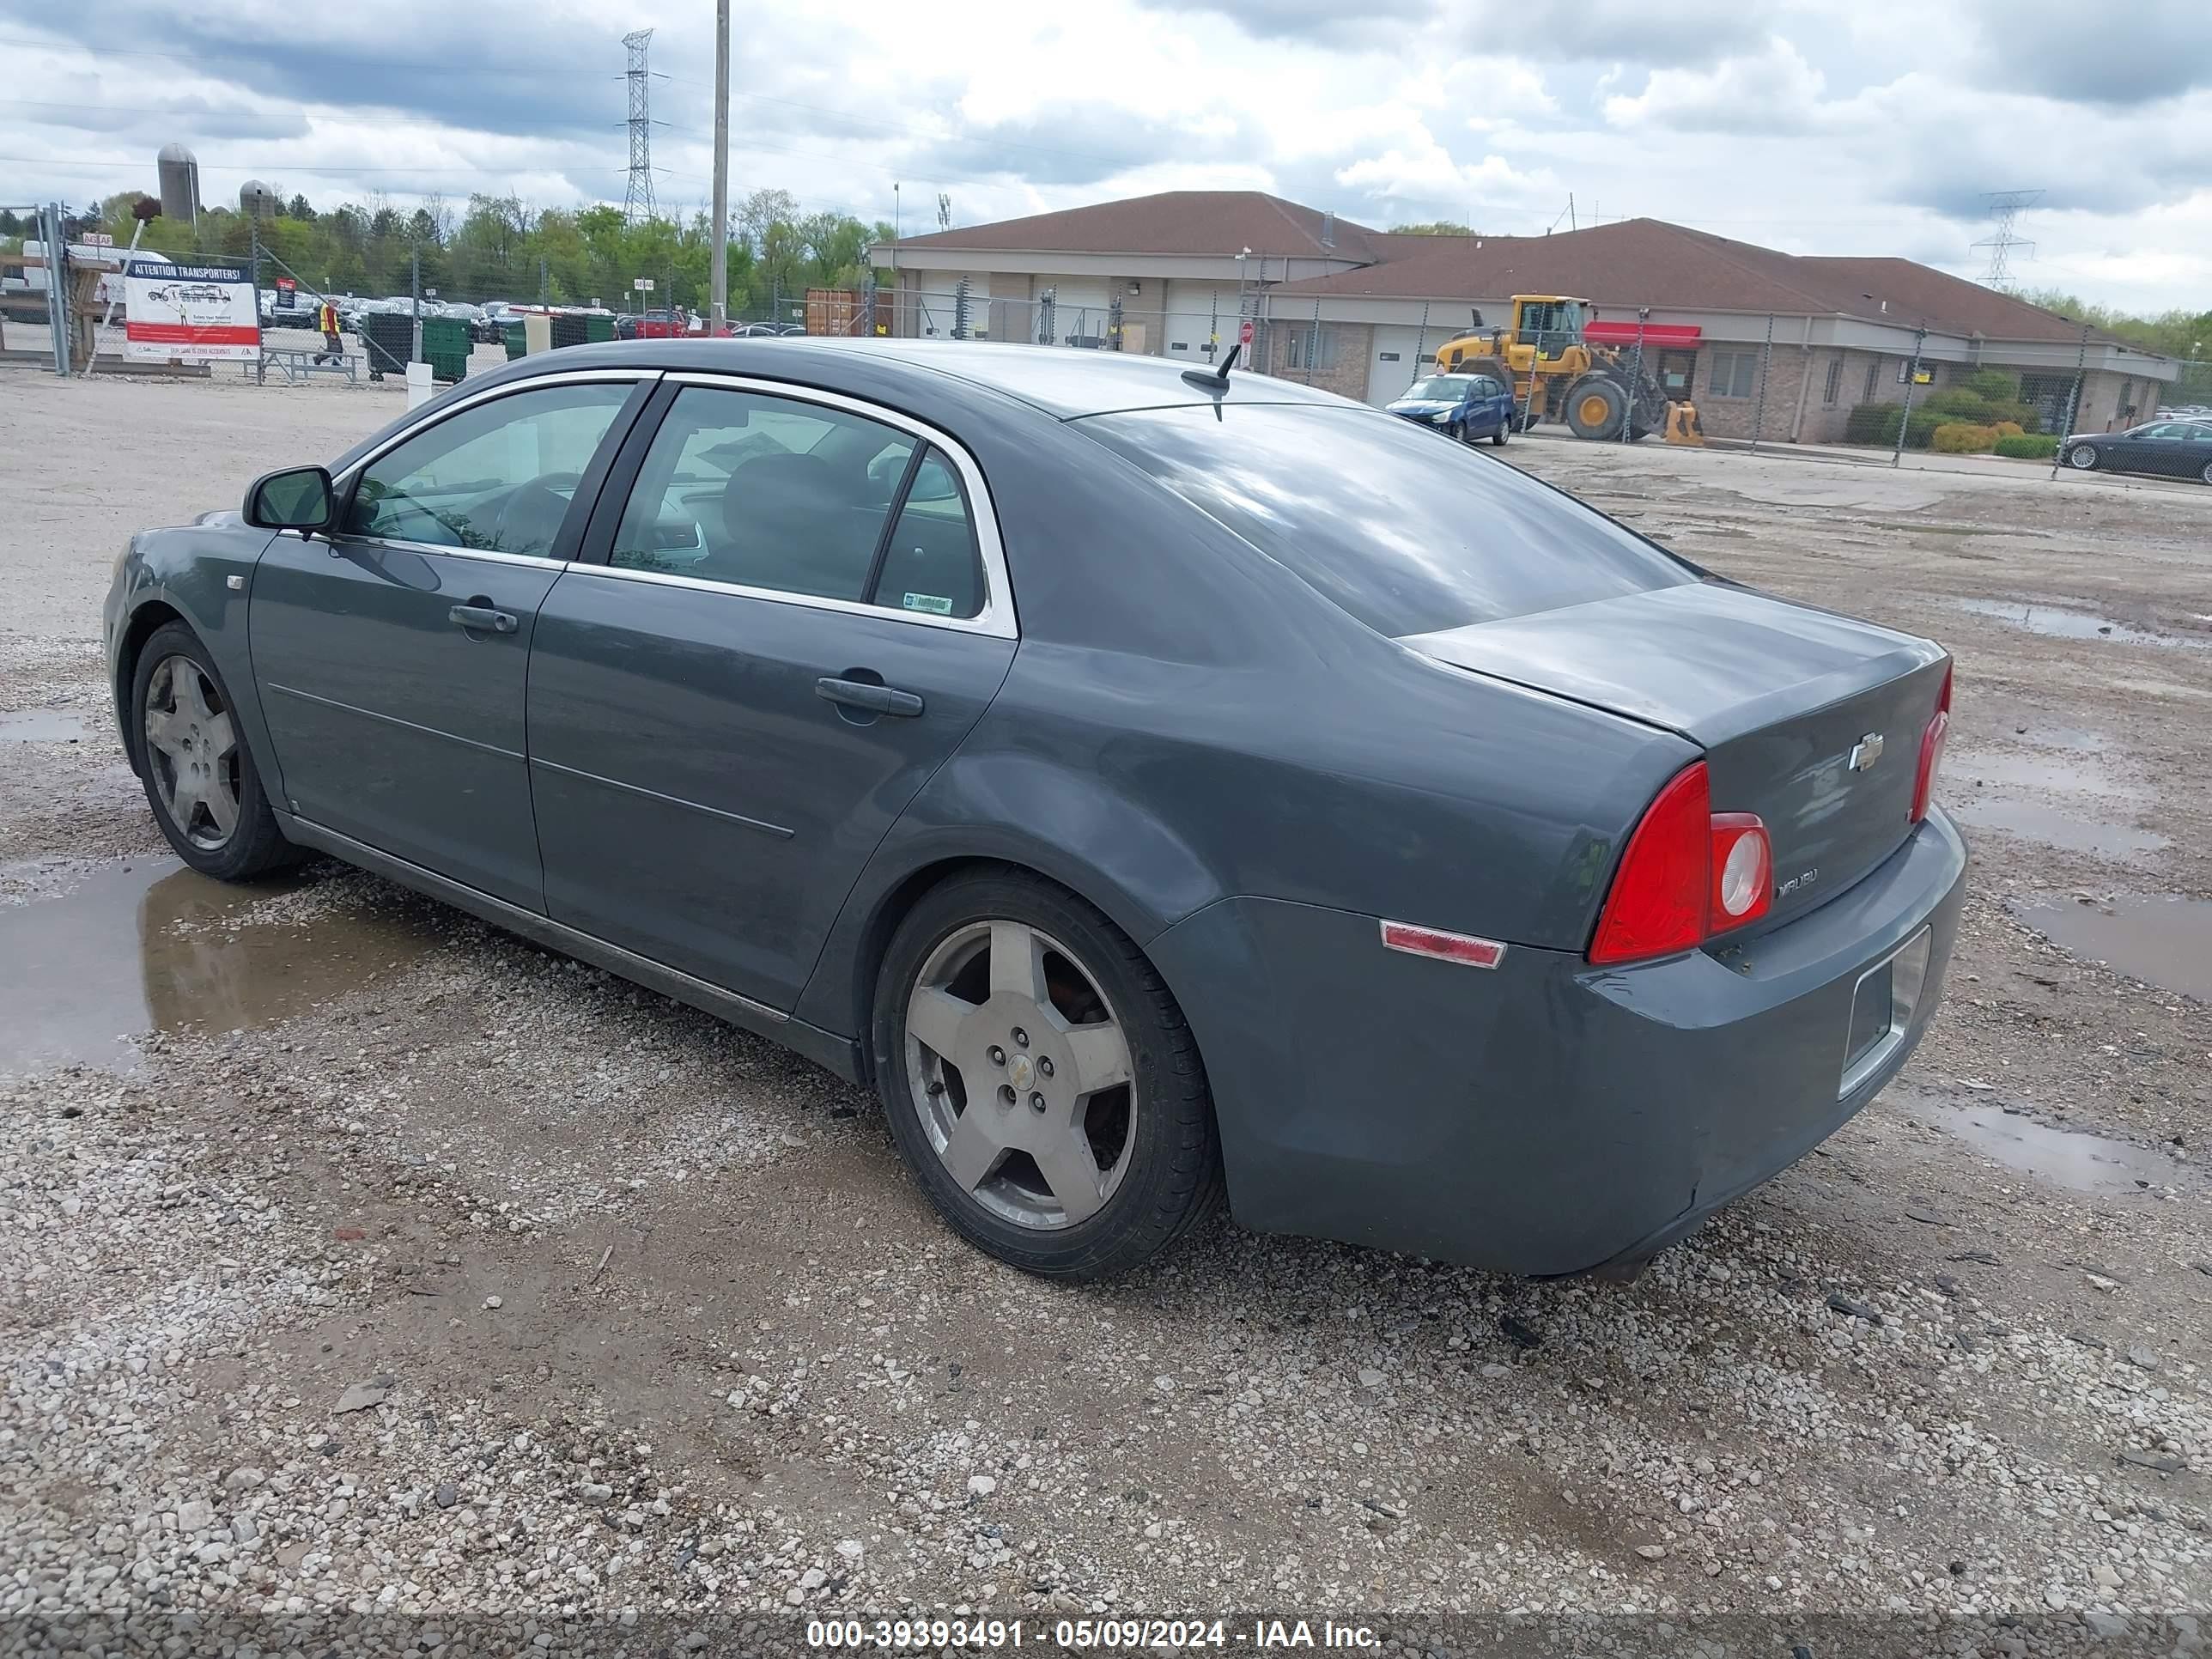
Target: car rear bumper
1545 1117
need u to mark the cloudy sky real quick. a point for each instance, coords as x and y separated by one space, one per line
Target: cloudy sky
1867 127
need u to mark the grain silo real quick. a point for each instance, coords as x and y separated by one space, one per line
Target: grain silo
180 175
257 201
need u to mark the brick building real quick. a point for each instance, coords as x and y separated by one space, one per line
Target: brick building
1787 343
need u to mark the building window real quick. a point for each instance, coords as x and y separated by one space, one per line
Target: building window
1735 373
1834 389
1874 380
1315 342
2048 395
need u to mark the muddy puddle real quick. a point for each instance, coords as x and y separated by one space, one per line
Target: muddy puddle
2057 622
42 726
155 946
2163 941
2077 831
2086 1163
2061 774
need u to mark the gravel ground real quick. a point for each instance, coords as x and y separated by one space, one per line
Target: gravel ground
393 1270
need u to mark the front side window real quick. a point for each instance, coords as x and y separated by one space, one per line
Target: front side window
772 494
496 477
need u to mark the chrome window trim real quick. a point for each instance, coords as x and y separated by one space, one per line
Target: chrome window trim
997 618
505 389
484 555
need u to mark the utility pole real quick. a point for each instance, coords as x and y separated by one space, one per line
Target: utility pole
718 288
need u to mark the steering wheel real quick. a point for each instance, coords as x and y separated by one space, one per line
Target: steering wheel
532 514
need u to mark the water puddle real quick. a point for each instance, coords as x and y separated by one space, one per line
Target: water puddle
2080 1162
2051 826
42 726
155 946
2163 941
2057 622
2069 777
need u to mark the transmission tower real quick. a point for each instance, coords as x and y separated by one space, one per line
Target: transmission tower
2005 208
637 203
944 211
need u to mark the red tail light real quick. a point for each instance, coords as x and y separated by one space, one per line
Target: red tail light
1931 749
1689 873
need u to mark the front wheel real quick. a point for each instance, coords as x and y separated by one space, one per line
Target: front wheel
2082 457
1456 432
2207 473
1041 1081
199 774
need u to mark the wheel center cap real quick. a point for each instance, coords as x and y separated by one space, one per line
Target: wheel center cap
1019 1070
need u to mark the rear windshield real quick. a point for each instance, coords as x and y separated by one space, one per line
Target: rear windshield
1406 530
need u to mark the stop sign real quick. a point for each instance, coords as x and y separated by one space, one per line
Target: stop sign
1244 332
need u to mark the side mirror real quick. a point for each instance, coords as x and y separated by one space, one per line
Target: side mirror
298 498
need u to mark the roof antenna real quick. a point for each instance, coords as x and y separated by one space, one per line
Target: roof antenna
1214 379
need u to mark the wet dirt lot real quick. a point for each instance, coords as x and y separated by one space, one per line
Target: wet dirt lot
358 1259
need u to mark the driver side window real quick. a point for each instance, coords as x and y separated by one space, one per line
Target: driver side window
496 477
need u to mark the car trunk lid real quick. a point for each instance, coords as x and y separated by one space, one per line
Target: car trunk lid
1811 719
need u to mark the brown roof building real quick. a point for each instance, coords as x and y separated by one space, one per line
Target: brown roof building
1779 343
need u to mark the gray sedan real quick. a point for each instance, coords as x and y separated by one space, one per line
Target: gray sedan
1154 784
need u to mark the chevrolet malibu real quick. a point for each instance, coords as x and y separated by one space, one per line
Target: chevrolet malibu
1153 784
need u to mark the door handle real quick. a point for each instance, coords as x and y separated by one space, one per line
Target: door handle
876 699
483 617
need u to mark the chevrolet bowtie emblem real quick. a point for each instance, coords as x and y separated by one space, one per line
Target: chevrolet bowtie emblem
1866 752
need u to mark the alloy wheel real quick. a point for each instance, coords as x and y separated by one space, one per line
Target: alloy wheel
1021 1074
2083 456
192 752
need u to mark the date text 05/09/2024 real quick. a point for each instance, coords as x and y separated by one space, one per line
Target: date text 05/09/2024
1083 1635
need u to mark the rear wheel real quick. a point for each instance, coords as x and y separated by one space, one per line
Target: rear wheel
2207 473
1504 426
2082 457
1597 408
1040 1079
199 774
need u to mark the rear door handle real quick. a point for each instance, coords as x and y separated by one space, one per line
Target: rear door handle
876 699
482 617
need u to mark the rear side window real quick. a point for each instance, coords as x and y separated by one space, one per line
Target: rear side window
781 495
1407 532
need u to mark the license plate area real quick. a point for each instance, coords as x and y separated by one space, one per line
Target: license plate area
1883 1001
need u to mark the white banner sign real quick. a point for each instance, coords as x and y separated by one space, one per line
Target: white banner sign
198 313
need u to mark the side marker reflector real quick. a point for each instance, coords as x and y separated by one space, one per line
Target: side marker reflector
1462 948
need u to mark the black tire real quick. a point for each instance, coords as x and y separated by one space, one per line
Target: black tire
1456 432
1499 436
2082 457
1590 390
254 845
1174 1178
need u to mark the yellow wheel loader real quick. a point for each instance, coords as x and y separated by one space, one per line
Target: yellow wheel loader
1555 374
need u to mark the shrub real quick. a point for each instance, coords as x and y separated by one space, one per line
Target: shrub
1959 403
1963 438
1876 423
2007 429
2028 447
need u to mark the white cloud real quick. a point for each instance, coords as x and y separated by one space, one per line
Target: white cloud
1784 122
1771 91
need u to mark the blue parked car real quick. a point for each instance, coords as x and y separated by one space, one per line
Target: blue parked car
1465 406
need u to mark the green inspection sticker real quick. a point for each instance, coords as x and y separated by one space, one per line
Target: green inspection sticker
930 602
